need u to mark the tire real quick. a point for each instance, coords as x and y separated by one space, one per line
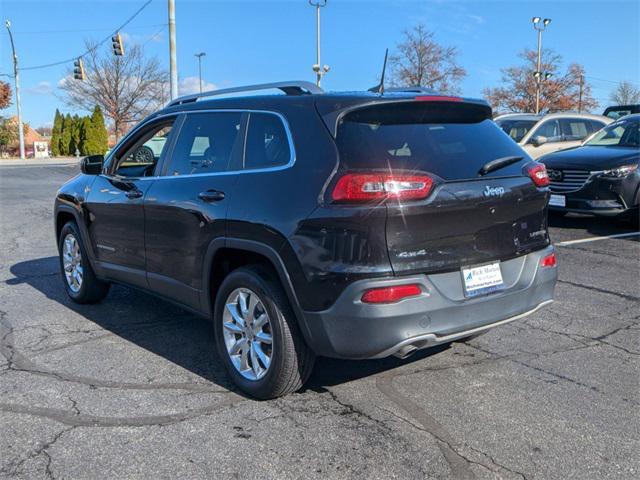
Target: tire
290 359
89 289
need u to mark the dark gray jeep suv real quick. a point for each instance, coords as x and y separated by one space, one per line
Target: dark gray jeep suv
352 225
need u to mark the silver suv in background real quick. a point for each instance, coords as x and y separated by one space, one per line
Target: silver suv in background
542 134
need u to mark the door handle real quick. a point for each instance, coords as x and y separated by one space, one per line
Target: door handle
135 193
211 196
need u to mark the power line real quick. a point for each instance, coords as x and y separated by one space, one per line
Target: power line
86 30
102 42
608 81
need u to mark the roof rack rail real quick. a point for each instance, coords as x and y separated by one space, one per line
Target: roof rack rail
411 90
289 88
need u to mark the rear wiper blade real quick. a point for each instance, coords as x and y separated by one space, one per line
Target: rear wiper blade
498 163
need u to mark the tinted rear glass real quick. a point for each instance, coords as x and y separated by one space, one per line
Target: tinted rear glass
451 141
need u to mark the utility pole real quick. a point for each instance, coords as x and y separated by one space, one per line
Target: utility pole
320 70
538 73
580 95
173 69
200 55
16 78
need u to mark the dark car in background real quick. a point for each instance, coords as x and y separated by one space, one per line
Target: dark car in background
601 177
618 111
355 225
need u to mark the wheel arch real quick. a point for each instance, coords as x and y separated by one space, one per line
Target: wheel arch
66 213
235 252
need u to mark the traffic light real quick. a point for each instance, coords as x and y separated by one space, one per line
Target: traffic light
78 70
118 47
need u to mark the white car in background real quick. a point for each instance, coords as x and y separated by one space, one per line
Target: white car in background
542 134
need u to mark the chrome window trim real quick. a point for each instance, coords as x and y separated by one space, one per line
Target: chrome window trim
285 123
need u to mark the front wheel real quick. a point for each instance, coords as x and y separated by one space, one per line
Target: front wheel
257 336
79 279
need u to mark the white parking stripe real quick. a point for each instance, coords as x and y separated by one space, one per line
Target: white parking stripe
593 239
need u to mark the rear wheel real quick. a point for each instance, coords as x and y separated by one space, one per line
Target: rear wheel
257 335
79 279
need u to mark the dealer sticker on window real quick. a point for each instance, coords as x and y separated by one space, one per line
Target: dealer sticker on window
557 201
482 280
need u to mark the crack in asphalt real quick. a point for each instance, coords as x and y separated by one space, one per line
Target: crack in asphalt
458 464
626 296
18 362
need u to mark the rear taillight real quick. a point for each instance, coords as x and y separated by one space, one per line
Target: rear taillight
364 187
391 294
538 173
549 261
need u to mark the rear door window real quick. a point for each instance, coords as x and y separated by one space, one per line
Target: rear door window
206 143
453 142
267 142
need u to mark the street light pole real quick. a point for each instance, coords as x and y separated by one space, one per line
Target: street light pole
200 55
538 73
16 78
173 69
320 70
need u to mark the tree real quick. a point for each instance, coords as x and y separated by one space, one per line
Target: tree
56 133
125 87
5 95
421 61
65 136
9 133
94 134
625 94
560 92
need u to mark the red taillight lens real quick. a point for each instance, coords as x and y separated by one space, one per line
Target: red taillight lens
549 261
538 173
391 294
364 187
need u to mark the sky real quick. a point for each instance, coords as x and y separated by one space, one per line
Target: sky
248 42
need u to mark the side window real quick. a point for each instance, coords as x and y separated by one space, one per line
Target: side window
575 129
140 158
549 129
597 125
267 142
206 143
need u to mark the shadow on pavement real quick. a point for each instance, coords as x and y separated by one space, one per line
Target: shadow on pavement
175 334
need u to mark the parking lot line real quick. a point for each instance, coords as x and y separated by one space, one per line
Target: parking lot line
593 239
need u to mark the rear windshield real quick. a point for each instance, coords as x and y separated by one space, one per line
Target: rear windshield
449 140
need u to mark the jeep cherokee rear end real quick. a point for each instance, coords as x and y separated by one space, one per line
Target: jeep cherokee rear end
406 211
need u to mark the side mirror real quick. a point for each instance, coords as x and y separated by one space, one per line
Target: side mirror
538 140
92 165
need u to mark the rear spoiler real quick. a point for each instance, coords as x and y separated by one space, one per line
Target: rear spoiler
332 113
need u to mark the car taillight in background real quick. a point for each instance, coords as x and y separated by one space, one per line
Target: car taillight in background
538 173
391 294
549 261
364 187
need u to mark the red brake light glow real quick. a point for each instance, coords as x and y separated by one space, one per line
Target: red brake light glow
549 261
364 187
538 173
437 98
391 294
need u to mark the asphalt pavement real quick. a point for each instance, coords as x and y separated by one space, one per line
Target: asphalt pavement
131 387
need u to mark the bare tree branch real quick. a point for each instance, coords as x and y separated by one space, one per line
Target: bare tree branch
625 94
126 87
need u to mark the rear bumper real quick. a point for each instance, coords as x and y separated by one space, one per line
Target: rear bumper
352 329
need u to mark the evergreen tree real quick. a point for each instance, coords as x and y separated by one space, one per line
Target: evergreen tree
99 143
85 134
74 142
65 138
55 134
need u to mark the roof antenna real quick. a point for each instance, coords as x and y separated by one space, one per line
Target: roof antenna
380 87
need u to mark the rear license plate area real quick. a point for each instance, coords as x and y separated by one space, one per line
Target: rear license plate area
482 280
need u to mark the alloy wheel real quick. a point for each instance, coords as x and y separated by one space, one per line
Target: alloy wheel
72 262
247 333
